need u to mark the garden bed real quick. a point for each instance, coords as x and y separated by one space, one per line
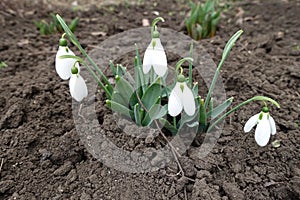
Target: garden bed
41 152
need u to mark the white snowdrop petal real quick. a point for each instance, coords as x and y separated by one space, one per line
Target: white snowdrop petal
272 125
251 123
63 66
78 88
147 60
160 65
188 100
174 104
263 132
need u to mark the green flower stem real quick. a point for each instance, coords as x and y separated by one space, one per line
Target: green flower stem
256 98
180 62
107 92
77 44
226 51
174 122
154 22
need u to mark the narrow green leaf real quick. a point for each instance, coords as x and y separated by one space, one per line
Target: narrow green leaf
137 114
230 44
71 56
226 51
220 109
112 67
211 105
137 77
190 81
202 116
73 24
195 89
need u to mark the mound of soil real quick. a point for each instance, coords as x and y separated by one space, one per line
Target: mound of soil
42 156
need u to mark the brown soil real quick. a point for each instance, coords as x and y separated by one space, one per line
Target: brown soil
42 156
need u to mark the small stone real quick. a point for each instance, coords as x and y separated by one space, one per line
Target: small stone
145 22
64 169
279 35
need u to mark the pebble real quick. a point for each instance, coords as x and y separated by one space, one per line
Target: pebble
64 169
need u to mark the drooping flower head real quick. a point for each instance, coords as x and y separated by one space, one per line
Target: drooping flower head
181 98
265 126
155 56
63 66
78 88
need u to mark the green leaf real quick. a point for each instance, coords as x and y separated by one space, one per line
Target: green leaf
2 65
195 89
140 78
112 67
190 80
226 51
193 124
124 88
137 114
220 109
73 24
116 96
202 116
186 118
156 112
230 44
168 125
71 56
209 5
151 95
114 106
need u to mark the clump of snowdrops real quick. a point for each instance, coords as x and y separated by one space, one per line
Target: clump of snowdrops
145 98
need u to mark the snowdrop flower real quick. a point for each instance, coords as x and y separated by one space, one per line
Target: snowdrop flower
155 57
63 66
265 126
78 88
181 97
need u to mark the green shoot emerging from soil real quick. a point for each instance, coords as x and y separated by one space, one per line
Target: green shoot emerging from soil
203 19
145 98
54 26
2 65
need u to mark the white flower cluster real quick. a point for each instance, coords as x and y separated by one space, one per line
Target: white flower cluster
181 96
68 68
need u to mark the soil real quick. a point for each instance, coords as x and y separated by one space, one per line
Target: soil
42 156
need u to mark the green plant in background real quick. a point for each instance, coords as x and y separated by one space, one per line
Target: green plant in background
203 19
54 26
2 65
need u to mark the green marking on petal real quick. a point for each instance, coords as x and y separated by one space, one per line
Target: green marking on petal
260 116
181 87
153 43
